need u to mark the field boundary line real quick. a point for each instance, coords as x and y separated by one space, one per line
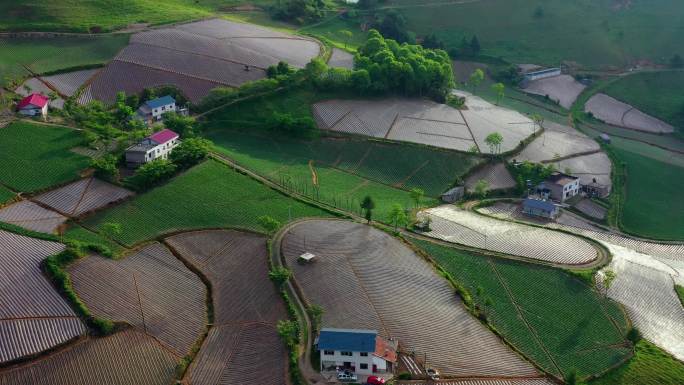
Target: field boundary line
575 155
414 172
471 131
39 317
518 310
394 122
142 313
434 120
361 160
80 199
175 72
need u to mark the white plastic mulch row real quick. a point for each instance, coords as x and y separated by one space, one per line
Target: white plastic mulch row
341 59
615 112
557 141
496 175
455 225
588 168
83 196
30 216
563 89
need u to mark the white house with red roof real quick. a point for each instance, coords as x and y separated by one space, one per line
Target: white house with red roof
155 146
34 105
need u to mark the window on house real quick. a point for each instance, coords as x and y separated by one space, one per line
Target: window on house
363 366
346 353
329 352
364 354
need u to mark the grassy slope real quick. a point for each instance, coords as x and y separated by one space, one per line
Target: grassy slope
658 94
571 320
208 195
81 15
5 195
44 55
649 366
34 156
591 32
680 293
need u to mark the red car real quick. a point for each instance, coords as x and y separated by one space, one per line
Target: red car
374 380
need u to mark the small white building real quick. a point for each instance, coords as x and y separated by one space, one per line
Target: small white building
152 110
559 187
358 350
34 105
542 74
155 146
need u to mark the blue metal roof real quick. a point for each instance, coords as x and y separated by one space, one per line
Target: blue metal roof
158 102
349 340
539 204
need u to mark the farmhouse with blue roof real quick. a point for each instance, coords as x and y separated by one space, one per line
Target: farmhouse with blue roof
540 208
152 110
358 350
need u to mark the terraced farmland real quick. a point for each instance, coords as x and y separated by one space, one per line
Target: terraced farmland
617 113
341 59
199 56
496 175
588 167
128 357
151 290
33 316
563 89
68 83
243 345
373 280
212 195
455 225
30 216
34 156
557 141
83 196
569 327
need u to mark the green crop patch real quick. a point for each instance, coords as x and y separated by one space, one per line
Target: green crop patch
649 366
42 55
5 195
35 156
210 195
553 318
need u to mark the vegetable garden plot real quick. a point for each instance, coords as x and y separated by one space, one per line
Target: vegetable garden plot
563 89
243 345
341 59
68 83
588 167
133 79
497 177
454 136
249 353
459 226
83 196
225 29
32 85
151 290
125 358
374 280
33 316
617 113
592 209
30 216
6 195
569 327
557 141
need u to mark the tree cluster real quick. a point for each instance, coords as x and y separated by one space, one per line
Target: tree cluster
298 11
535 173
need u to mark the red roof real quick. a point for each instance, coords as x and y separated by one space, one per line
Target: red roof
37 100
386 350
163 136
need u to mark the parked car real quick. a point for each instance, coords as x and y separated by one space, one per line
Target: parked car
375 380
346 376
433 374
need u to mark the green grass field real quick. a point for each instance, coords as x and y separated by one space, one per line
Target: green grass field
649 366
555 319
34 156
680 293
595 33
209 195
51 54
5 195
657 94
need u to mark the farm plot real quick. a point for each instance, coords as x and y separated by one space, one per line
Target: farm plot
199 56
151 290
30 216
83 196
374 280
592 209
33 316
570 327
34 157
6 195
588 167
617 113
463 227
243 345
496 175
557 141
32 85
341 58
68 83
128 357
213 196
563 89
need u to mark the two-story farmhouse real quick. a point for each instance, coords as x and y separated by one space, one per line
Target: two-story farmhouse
155 146
34 105
560 187
152 110
361 351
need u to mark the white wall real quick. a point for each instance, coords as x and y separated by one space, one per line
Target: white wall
356 359
157 112
162 151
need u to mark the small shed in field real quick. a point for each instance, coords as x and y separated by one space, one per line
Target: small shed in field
453 194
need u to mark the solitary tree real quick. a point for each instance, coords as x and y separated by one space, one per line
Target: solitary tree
417 195
111 229
368 205
499 89
475 45
537 121
494 141
608 278
481 188
270 224
315 315
347 35
397 216
279 275
476 78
